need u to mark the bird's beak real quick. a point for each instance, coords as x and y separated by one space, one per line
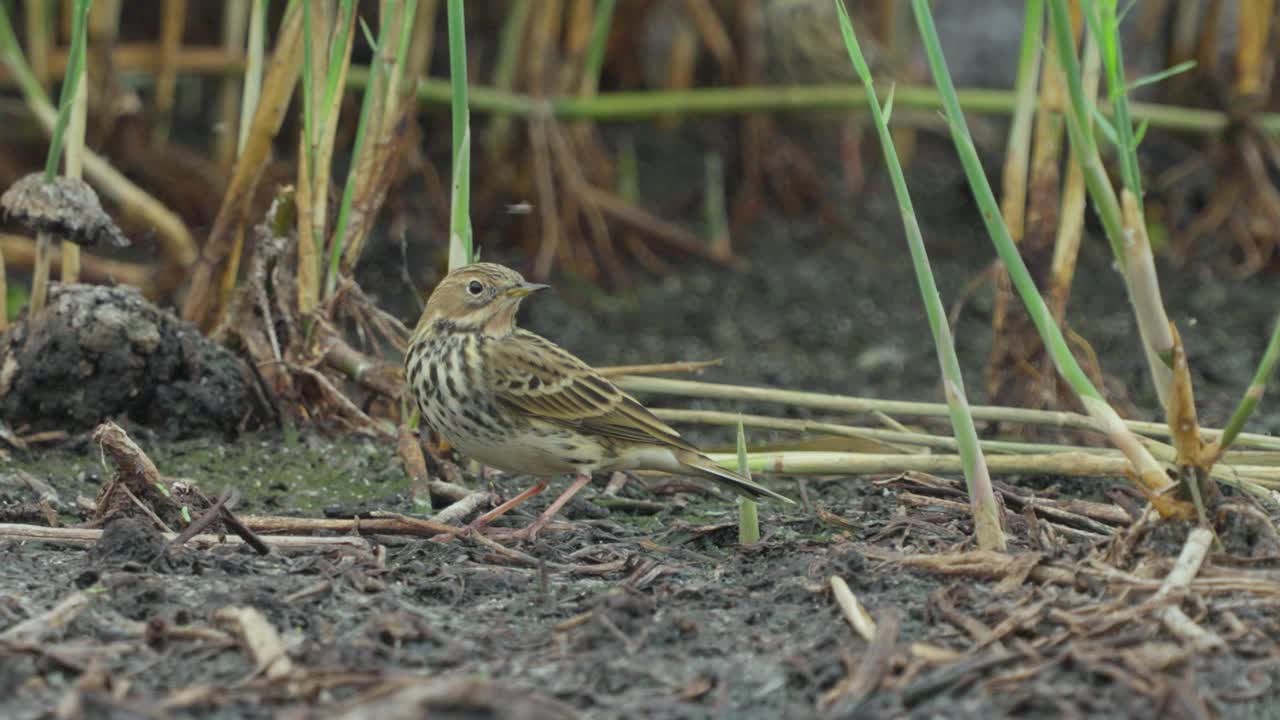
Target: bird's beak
524 289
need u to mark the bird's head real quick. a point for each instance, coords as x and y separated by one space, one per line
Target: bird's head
479 297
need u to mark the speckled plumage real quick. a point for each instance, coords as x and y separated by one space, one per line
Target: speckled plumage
516 401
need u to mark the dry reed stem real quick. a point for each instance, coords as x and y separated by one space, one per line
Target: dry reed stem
86 536
202 301
859 405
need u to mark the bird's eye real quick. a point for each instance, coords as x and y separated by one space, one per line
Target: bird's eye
474 287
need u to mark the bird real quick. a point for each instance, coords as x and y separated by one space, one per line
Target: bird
515 401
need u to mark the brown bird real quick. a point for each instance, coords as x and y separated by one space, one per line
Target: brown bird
518 402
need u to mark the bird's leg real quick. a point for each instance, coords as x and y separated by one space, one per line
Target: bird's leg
483 521
531 532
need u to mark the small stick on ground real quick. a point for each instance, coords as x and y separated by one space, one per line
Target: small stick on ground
260 638
857 616
89 536
34 628
1179 579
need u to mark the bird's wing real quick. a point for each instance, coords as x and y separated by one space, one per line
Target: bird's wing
538 378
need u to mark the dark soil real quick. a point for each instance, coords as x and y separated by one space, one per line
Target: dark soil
655 611
96 353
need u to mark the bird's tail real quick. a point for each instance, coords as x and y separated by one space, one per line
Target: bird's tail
705 467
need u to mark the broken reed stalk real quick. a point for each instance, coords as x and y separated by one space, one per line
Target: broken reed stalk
1147 472
1251 472
859 405
461 250
1125 230
71 83
986 512
251 91
1262 479
748 509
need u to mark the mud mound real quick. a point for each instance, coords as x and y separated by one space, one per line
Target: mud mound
97 352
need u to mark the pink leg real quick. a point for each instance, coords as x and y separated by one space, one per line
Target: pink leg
483 521
531 532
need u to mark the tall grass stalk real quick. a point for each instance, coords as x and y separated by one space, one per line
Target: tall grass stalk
461 249
748 509
986 512
1151 476
71 82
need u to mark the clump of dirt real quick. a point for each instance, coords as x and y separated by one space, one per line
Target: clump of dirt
95 353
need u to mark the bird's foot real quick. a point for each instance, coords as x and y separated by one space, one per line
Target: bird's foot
530 532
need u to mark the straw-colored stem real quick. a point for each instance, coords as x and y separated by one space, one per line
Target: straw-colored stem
1065 464
1014 183
905 438
202 304
903 408
986 512
173 19
1066 246
1256 20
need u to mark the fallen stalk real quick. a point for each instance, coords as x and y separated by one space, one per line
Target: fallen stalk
1067 464
87 536
852 404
